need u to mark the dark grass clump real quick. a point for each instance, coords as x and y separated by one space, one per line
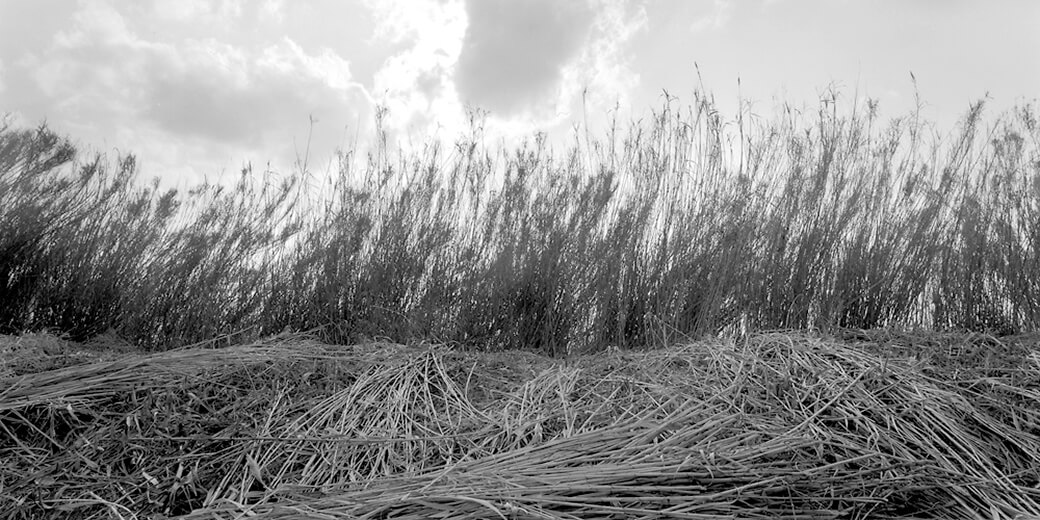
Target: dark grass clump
778 425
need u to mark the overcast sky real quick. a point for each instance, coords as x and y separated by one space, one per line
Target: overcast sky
197 87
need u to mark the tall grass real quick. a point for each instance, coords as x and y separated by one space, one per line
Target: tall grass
682 224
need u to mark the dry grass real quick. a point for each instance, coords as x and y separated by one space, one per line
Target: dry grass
682 225
780 425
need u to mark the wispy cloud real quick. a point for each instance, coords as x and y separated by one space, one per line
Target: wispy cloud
604 68
717 16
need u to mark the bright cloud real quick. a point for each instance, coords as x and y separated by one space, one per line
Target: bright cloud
414 84
604 68
526 63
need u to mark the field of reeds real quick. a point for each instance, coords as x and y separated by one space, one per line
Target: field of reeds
680 226
814 314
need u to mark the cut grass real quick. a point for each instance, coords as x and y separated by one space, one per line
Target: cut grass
780 425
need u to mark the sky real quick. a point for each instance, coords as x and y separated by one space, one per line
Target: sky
198 88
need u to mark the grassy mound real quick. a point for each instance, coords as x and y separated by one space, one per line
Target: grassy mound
780 425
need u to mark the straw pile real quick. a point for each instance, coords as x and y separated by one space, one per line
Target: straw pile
780 425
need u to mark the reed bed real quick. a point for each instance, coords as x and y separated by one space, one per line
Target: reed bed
677 225
776 425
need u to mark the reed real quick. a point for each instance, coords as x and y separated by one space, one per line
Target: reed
681 225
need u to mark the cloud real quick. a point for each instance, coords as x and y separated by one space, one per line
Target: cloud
604 70
219 92
415 83
526 62
100 77
197 83
717 17
218 12
514 52
273 10
199 10
95 23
